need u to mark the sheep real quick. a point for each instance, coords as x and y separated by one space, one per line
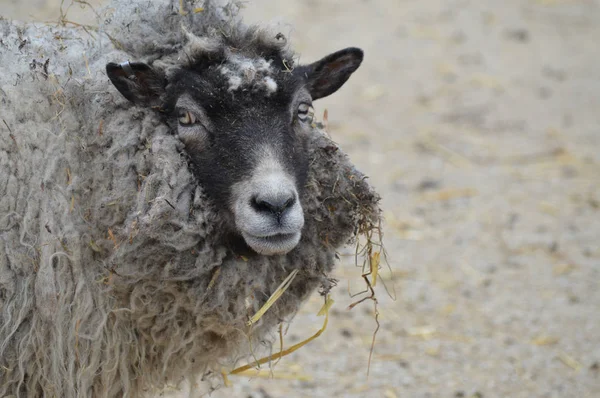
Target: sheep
159 178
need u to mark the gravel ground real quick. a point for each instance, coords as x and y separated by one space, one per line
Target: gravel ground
478 121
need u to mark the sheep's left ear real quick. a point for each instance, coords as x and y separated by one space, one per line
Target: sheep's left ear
138 82
326 76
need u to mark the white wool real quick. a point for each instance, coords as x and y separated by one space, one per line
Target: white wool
248 73
262 65
270 84
235 82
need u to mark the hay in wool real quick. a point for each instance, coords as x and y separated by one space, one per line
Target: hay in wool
114 278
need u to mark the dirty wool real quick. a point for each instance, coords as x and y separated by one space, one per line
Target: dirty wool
114 276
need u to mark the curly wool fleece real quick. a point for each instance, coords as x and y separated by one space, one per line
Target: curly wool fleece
114 279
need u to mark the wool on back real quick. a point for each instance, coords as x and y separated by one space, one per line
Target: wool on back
114 278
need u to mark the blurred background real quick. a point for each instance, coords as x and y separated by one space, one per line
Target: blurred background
478 121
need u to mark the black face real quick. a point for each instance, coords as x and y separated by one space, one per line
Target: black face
228 132
243 122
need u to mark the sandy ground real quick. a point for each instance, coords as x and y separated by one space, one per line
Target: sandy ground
479 122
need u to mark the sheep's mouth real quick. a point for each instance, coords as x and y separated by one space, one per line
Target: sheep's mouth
270 245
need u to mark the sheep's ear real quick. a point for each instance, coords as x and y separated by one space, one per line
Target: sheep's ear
137 81
326 76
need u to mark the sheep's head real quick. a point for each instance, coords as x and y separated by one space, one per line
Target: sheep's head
242 120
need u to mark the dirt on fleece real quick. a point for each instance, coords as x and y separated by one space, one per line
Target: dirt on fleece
479 123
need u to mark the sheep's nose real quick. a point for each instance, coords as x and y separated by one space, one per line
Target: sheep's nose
274 204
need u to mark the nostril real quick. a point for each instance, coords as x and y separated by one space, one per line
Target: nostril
289 203
262 205
275 205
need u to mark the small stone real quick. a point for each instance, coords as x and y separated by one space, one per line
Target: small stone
521 35
346 333
428 184
509 341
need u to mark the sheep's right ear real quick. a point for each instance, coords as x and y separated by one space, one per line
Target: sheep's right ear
138 82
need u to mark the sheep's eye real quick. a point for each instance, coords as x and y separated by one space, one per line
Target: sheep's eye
186 118
305 112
